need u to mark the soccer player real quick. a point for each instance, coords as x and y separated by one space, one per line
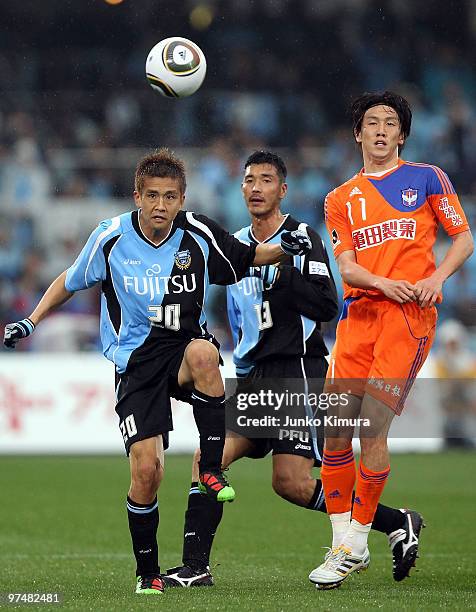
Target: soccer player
154 266
275 318
383 224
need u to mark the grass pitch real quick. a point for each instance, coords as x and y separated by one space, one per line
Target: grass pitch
64 529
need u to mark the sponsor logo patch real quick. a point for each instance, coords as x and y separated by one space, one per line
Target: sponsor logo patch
318 267
393 229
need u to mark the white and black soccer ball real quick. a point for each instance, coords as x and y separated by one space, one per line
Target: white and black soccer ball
176 67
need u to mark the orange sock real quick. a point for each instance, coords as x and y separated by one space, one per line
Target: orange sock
369 488
338 479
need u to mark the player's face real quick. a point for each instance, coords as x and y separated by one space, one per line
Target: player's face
159 201
380 134
262 189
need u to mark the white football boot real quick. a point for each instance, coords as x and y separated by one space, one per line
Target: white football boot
337 566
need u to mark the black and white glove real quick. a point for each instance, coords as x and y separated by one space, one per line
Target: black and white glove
17 331
295 243
268 274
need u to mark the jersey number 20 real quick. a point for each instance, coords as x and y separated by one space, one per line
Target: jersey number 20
166 316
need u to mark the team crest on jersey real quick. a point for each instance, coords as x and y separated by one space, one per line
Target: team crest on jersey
409 197
183 259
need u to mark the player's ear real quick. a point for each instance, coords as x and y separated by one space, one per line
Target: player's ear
137 199
358 136
284 190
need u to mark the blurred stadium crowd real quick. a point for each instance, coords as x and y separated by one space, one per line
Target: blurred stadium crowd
76 114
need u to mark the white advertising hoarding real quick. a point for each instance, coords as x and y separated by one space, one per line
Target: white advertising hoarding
64 403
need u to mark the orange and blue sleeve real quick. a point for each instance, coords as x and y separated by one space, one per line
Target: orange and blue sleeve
445 203
337 225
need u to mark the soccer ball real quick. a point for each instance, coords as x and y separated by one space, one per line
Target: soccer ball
175 67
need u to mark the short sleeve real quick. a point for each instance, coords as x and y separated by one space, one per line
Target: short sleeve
444 202
90 266
337 225
229 258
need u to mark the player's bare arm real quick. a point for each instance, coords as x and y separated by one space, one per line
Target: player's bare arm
357 276
54 296
268 254
428 289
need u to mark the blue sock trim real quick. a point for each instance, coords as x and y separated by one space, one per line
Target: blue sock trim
136 508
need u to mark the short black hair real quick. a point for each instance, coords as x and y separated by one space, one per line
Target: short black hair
266 157
161 163
386 98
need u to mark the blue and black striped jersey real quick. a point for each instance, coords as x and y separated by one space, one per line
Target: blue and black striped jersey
284 320
150 290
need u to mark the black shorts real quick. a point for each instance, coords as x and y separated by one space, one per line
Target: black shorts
310 441
144 390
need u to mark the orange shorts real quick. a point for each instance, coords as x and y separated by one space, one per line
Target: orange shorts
381 345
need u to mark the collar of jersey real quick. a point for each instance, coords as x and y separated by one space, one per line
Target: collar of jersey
376 176
140 233
254 239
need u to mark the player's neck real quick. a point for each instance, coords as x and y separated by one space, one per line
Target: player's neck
265 226
375 165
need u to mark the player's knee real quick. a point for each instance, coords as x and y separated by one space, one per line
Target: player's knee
202 356
148 474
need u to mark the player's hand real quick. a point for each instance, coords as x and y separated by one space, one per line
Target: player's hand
17 331
428 290
295 243
399 290
269 274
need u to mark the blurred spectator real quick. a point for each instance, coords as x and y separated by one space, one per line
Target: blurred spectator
456 369
26 181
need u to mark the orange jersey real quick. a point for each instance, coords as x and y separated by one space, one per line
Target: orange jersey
390 221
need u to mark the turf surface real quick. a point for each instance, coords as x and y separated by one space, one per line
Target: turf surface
64 529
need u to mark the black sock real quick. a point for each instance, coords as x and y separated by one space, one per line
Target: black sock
209 414
202 518
143 524
318 500
387 519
